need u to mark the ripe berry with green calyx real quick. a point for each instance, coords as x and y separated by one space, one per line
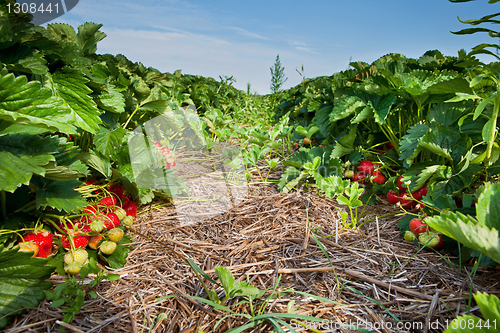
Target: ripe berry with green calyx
116 189
420 193
400 184
130 207
112 221
115 235
417 227
44 240
366 167
378 177
108 201
358 176
406 201
393 197
80 241
107 247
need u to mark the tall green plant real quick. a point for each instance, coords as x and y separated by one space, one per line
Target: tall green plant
277 76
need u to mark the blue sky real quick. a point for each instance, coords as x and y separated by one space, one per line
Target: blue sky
242 38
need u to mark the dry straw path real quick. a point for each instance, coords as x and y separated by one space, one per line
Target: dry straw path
265 237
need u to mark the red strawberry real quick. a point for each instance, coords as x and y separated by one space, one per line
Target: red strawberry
393 197
322 146
400 184
165 150
406 201
108 201
389 146
116 189
307 141
420 193
80 241
44 240
130 207
112 221
157 144
417 227
358 176
366 167
378 177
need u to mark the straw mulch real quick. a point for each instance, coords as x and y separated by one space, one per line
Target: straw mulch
266 236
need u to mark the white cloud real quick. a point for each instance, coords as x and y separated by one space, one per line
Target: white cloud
247 33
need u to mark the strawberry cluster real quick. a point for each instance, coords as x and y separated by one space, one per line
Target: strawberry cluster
425 235
168 155
98 227
366 169
404 197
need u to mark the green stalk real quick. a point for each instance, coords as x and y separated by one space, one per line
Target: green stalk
4 204
130 117
493 133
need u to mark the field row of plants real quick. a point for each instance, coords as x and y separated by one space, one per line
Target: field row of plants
420 134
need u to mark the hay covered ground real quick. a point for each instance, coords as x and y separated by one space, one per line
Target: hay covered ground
267 236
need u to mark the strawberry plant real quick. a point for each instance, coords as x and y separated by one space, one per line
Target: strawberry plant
480 233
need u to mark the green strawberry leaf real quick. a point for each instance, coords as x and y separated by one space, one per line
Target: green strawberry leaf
489 306
106 141
447 142
488 206
409 147
28 103
111 99
467 230
22 282
71 86
60 195
226 278
21 156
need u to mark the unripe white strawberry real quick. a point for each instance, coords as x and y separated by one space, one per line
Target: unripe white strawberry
115 234
429 239
79 256
409 236
128 220
107 247
120 212
73 268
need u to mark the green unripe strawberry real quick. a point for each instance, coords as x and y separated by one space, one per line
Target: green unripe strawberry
120 212
409 236
97 225
79 256
349 173
73 268
107 247
128 220
429 239
115 235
